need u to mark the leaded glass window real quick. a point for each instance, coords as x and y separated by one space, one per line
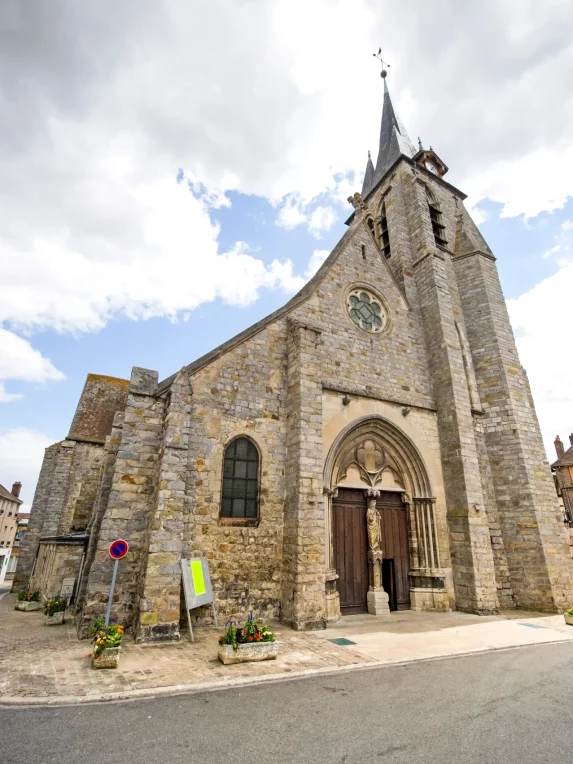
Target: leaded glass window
366 310
240 496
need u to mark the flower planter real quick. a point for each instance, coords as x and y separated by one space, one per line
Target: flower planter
257 651
568 618
54 620
28 606
108 658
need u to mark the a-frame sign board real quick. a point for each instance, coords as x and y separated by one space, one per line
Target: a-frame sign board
197 587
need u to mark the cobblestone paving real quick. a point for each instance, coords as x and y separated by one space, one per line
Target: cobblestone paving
49 664
41 661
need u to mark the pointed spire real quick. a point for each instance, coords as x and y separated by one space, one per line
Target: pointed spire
368 176
394 139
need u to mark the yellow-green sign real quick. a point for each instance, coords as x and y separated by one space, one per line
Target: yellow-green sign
196 582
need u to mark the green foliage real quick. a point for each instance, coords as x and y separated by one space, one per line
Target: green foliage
55 605
570 611
103 638
246 634
25 595
229 637
98 624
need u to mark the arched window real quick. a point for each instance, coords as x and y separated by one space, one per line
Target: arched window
240 495
384 236
438 227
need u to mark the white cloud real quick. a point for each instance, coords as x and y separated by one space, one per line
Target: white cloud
280 99
525 185
291 213
316 260
19 360
322 219
537 318
21 455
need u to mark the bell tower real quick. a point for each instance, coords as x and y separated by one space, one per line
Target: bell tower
507 541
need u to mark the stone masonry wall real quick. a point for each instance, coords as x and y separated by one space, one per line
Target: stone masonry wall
160 586
472 559
241 393
304 565
112 444
131 502
83 480
55 562
29 547
539 565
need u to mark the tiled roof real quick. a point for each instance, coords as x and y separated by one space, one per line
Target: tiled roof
566 460
5 494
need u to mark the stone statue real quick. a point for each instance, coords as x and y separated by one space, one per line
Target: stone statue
356 201
373 526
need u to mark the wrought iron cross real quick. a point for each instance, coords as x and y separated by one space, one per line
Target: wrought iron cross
384 64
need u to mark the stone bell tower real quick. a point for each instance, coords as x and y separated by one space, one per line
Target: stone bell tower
506 535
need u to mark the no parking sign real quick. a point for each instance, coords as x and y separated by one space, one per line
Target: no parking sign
117 549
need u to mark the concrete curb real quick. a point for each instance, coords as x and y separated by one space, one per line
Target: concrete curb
55 701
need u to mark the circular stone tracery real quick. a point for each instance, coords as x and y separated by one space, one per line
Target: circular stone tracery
366 310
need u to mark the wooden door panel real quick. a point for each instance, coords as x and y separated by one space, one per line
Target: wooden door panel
394 523
351 550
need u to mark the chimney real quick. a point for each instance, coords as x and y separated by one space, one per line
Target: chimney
571 439
559 447
16 488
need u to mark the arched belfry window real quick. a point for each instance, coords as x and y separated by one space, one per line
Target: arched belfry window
384 235
438 227
240 495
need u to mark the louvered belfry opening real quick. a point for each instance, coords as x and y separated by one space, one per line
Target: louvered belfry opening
437 226
385 237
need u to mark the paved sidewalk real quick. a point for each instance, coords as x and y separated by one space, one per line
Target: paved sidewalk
40 664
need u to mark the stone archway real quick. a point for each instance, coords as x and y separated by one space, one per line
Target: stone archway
374 455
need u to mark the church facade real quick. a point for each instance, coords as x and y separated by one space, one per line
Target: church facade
372 445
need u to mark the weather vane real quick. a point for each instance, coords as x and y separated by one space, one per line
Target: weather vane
378 55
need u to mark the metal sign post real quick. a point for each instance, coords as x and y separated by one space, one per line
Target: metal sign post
117 550
197 587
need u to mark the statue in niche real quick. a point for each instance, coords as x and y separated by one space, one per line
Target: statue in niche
373 526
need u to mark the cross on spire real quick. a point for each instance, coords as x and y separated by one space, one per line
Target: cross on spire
378 55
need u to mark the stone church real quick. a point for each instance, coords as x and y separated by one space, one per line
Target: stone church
370 446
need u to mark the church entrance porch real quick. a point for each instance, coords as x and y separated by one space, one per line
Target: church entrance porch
351 549
384 549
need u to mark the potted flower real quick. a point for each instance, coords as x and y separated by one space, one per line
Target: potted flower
106 642
568 615
250 642
28 600
54 611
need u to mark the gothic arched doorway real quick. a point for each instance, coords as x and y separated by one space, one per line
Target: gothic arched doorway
373 463
350 548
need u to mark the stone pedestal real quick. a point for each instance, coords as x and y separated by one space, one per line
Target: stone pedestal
377 601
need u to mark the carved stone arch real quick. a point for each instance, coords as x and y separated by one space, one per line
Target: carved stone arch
372 445
393 449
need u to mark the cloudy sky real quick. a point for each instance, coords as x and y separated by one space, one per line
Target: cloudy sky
173 170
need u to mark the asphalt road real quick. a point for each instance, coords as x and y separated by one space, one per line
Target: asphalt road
512 707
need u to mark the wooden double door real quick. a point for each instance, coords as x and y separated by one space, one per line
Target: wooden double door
350 540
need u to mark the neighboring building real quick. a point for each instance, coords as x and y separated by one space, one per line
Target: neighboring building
371 443
9 505
563 475
21 527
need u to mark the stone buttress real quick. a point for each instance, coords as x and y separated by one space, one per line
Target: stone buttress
531 526
131 503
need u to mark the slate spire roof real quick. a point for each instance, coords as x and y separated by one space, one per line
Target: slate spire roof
368 176
394 141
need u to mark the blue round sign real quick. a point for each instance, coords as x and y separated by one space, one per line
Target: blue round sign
118 549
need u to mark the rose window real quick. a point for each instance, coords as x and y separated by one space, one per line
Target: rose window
366 310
